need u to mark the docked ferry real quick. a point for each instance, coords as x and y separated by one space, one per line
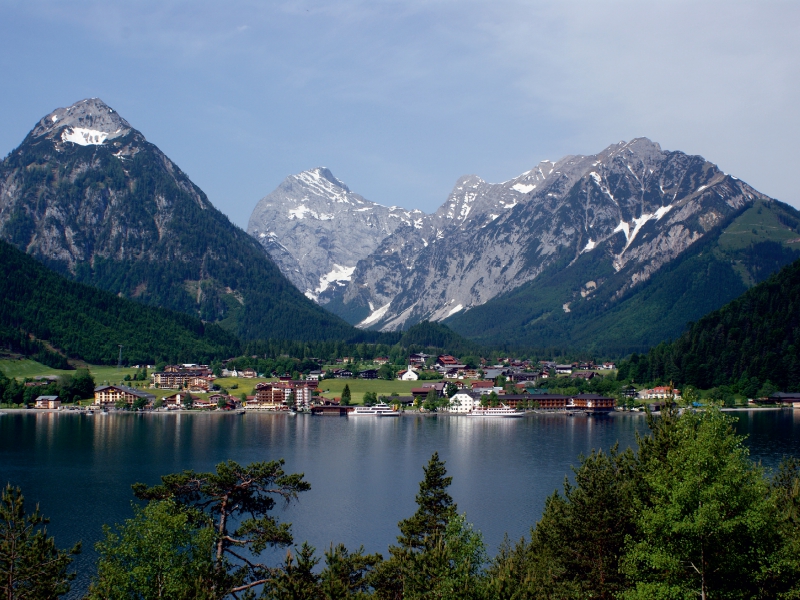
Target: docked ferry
381 409
496 411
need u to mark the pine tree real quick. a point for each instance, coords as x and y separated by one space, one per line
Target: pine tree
436 508
237 502
31 566
346 397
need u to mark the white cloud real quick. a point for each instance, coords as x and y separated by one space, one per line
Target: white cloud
400 98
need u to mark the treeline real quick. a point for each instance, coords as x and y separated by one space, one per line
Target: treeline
751 341
18 342
70 388
687 515
90 324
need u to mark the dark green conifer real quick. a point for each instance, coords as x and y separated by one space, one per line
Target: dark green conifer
346 396
31 566
436 508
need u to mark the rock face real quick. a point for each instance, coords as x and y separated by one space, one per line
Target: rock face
633 204
86 194
317 230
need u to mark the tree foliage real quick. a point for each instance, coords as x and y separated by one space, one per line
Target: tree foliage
236 503
89 324
689 516
32 567
704 515
159 553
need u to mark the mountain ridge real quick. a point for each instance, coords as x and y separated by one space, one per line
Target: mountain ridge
634 206
750 341
85 323
89 196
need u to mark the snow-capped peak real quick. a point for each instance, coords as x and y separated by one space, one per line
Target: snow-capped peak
88 122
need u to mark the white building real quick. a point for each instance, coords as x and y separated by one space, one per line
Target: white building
408 375
464 402
660 393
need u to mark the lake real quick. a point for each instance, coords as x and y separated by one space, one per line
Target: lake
364 473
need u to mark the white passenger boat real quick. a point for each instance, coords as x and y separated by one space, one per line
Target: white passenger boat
495 411
381 409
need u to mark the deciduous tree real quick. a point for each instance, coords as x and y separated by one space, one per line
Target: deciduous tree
160 553
704 517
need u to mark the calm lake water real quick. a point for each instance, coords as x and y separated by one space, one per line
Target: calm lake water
364 473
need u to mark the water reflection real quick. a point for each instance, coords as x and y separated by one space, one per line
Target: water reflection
364 472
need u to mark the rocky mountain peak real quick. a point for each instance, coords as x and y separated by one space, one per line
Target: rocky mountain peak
87 122
321 176
317 230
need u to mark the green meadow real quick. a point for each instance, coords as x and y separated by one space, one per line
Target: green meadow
332 388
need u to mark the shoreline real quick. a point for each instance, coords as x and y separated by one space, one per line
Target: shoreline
529 413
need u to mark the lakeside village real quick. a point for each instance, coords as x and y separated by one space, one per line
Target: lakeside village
509 388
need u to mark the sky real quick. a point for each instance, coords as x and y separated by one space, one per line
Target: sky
400 98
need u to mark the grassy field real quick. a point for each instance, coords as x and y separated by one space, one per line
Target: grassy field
244 385
756 224
332 388
30 368
27 368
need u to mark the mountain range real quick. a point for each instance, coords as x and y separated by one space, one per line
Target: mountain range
86 194
612 252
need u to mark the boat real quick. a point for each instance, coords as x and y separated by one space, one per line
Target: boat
495 411
381 409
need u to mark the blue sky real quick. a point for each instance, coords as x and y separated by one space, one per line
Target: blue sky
399 99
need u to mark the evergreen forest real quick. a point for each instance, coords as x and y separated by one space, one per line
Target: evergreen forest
750 341
52 319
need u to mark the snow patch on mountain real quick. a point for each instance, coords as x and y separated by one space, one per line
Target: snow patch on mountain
301 211
375 316
455 309
83 137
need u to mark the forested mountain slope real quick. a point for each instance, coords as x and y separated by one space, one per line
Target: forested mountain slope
87 195
584 303
752 340
79 321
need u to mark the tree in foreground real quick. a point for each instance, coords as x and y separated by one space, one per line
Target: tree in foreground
159 553
346 574
575 549
782 578
690 516
704 516
235 502
31 566
435 508
438 554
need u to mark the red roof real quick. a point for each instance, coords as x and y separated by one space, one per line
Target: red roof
482 384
